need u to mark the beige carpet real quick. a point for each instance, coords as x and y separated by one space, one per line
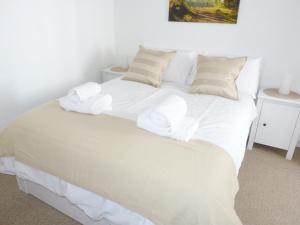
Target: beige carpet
269 188
269 194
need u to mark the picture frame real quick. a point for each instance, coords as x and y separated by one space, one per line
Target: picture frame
204 11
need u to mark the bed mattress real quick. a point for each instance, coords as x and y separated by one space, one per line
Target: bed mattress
223 122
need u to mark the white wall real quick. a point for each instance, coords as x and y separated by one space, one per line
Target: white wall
47 46
268 28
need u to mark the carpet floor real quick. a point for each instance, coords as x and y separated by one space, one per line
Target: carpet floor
269 194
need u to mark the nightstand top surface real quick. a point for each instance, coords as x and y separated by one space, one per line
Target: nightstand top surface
108 70
284 99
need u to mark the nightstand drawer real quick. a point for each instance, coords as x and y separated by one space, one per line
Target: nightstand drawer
276 125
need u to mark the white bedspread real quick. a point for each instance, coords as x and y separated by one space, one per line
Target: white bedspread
223 122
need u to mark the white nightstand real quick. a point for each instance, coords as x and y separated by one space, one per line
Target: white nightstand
107 74
278 123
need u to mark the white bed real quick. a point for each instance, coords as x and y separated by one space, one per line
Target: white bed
223 122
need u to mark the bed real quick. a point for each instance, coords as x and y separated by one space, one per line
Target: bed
224 127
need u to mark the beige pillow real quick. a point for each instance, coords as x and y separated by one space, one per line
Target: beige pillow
217 75
149 66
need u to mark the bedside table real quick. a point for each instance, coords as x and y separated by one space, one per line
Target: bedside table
278 123
108 74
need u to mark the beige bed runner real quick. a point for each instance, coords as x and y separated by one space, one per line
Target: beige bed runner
167 181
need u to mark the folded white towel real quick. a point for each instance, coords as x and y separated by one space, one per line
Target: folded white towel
95 105
85 91
184 131
169 121
168 113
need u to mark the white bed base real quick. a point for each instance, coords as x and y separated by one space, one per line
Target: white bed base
60 203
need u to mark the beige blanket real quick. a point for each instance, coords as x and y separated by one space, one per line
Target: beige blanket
167 181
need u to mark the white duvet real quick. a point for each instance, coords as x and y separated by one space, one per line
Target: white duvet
223 122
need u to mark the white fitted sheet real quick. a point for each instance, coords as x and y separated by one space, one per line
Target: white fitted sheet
223 122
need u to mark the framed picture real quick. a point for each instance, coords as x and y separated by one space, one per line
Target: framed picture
204 11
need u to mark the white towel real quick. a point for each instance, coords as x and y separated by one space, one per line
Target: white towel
85 91
169 112
169 121
186 130
95 105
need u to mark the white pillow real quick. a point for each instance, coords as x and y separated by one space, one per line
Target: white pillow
248 80
191 77
180 67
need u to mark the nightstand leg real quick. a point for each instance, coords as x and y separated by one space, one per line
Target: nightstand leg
294 141
250 145
290 154
292 149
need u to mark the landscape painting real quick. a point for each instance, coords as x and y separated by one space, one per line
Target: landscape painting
204 11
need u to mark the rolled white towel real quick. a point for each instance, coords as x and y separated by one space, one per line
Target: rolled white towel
169 119
144 122
168 113
95 105
184 130
85 91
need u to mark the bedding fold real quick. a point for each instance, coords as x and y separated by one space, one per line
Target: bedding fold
169 182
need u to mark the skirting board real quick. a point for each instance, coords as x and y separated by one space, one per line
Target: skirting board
57 202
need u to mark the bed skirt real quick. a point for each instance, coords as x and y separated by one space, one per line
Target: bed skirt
58 202
95 209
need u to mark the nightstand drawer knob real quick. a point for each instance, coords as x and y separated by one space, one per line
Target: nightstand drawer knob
264 124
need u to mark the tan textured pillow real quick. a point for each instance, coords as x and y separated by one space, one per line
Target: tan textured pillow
149 66
217 75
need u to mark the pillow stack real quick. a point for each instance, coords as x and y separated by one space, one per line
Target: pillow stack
222 76
149 66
